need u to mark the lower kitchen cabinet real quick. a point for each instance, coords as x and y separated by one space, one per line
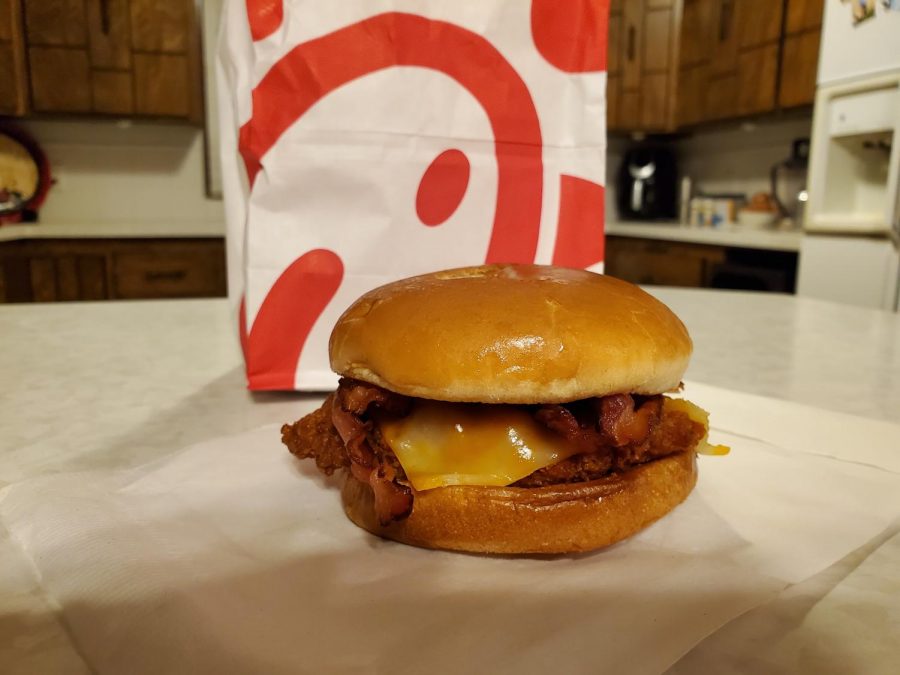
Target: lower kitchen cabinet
672 263
49 270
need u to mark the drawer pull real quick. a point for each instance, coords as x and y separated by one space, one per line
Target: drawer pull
165 275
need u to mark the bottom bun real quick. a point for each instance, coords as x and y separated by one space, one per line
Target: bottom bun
565 518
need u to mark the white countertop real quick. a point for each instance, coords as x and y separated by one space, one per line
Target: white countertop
728 235
734 235
117 384
17 231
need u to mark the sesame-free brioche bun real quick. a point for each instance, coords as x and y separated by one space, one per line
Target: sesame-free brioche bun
511 334
566 518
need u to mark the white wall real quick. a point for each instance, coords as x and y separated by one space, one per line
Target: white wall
732 158
123 173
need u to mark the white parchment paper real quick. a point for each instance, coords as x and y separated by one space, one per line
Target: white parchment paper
233 557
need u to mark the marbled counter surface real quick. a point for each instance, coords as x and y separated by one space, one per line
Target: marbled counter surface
733 236
122 230
119 383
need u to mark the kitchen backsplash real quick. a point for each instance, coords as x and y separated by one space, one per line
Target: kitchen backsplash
723 160
134 173
124 173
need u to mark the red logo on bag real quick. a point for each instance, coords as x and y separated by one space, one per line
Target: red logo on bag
265 17
314 69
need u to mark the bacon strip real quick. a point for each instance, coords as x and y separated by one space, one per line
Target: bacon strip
393 501
356 397
560 420
624 425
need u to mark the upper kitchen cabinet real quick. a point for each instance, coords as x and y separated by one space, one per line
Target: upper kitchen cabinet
695 63
745 42
113 57
13 82
678 63
799 62
642 50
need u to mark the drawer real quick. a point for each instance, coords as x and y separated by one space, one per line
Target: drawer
169 272
661 263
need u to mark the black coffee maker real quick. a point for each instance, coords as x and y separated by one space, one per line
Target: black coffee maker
647 184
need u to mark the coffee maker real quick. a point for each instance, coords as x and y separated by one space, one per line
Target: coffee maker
647 184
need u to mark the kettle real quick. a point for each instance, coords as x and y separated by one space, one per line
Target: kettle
788 181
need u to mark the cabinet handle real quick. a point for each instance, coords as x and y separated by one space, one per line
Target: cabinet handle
104 17
631 41
165 275
725 20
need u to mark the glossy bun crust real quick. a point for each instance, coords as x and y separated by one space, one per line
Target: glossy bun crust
566 518
511 334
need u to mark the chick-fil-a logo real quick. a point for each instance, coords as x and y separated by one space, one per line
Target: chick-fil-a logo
570 35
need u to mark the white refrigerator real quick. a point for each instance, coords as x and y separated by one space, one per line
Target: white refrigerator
849 251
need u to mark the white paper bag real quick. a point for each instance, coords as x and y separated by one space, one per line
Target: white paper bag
369 140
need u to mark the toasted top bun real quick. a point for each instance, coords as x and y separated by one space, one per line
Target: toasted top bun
511 334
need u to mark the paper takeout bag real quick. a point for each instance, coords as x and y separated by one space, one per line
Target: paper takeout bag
368 140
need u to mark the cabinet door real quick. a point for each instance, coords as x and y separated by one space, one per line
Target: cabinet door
633 18
647 261
629 109
629 81
720 100
658 66
757 74
695 60
161 25
58 64
758 22
725 38
803 15
113 57
759 30
799 65
697 32
57 23
657 40
13 86
655 101
614 66
161 85
613 102
800 55
166 59
60 79
109 33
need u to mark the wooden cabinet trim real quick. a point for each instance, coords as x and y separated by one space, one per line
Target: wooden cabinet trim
13 67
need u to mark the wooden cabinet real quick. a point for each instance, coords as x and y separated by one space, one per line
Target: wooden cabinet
13 80
614 63
661 263
695 67
744 38
800 59
113 57
107 269
642 55
677 263
678 63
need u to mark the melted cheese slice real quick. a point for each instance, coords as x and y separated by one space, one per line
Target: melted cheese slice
699 415
441 444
